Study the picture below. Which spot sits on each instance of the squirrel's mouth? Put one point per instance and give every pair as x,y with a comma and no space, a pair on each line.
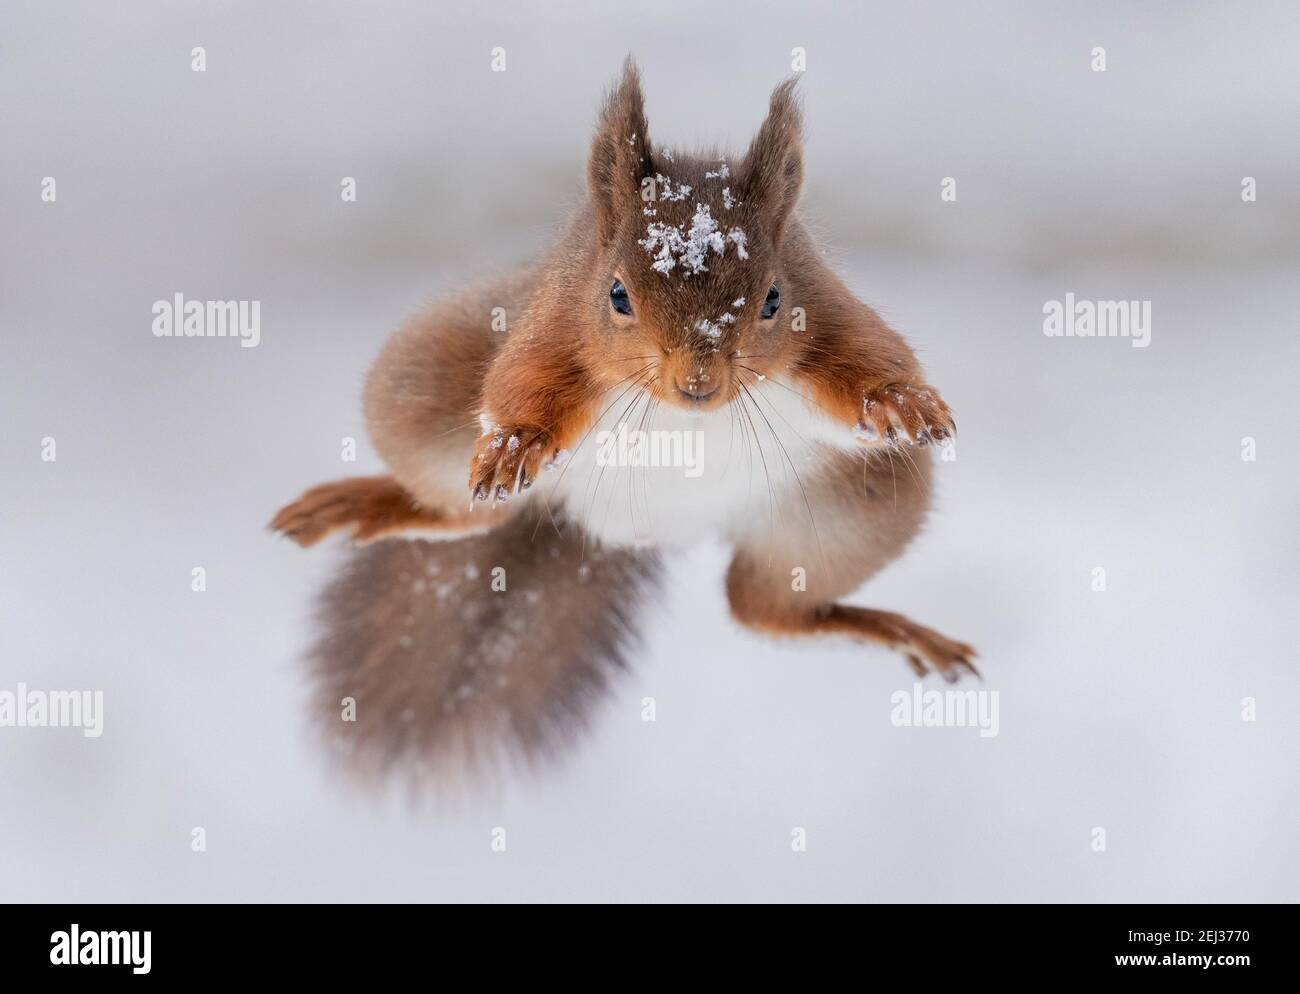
697,395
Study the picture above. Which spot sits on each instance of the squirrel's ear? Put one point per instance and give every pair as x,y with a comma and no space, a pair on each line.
620,153
773,168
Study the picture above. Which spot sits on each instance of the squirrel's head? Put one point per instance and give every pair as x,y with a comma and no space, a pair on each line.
689,278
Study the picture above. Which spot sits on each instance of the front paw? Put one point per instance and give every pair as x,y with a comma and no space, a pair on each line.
507,461
904,412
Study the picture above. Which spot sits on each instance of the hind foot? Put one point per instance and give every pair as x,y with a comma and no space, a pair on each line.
371,508
925,650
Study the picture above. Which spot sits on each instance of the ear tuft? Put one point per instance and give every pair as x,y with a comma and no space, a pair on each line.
620,153
773,169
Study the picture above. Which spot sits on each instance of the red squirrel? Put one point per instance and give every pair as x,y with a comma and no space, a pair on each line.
684,296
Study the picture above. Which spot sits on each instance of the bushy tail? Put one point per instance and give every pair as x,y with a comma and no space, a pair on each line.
459,654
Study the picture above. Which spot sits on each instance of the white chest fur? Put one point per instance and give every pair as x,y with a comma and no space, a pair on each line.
653,474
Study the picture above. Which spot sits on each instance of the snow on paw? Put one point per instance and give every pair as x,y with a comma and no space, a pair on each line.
507,461
898,413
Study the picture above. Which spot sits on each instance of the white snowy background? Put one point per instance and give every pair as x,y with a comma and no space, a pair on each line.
1119,710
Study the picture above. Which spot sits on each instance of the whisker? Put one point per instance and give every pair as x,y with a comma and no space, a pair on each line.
764,378
647,424
775,410
459,427
595,493
610,503
636,375
911,463
812,520
767,476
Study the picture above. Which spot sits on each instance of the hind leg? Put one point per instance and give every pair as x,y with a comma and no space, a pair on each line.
788,580
375,507
421,406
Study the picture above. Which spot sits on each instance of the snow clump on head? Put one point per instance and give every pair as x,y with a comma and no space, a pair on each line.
670,245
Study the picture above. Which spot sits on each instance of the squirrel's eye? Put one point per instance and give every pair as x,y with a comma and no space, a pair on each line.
771,302
618,298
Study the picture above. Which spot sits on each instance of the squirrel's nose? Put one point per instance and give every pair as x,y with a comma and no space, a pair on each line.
697,389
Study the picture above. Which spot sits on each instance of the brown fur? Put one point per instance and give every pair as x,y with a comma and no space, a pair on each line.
371,507
570,346
448,674
565,349
866,514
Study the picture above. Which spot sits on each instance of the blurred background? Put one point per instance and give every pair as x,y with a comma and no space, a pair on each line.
1120,710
